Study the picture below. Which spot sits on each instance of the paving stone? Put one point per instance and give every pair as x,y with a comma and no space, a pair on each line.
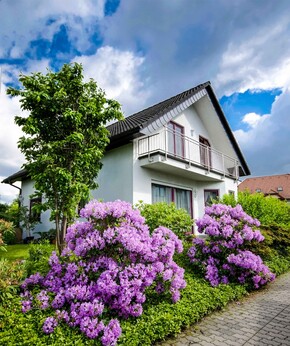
261,319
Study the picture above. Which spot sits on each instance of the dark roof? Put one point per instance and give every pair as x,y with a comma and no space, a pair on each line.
15,177
268,185
124,131
139,120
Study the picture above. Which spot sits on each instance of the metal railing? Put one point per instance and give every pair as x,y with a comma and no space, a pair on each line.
177,146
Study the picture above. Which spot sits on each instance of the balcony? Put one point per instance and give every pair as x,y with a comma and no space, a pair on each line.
180,152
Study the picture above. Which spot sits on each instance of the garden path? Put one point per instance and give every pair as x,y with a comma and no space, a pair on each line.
262,319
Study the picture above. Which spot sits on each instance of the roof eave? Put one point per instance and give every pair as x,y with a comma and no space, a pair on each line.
244,170
18,176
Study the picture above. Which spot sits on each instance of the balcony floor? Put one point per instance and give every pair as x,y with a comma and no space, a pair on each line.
176,166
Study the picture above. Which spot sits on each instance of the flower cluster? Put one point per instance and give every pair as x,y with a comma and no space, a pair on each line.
108,263
222,254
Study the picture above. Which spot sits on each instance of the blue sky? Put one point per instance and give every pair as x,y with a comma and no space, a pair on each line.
141,52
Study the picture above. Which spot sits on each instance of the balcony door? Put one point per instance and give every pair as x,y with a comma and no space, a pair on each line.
175,139
205,152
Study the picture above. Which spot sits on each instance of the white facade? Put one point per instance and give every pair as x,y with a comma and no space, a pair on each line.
131,170
26,193
127,176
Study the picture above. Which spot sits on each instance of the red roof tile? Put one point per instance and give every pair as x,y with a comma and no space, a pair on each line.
269,185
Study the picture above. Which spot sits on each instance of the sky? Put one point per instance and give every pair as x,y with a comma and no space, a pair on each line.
143,51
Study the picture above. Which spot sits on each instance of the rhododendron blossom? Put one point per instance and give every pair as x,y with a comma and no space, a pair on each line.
108,262
223,254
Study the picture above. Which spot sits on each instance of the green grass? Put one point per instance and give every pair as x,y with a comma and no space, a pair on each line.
15,252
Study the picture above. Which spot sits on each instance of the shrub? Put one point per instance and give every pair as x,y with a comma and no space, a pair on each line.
6,230
109,262
167,215
11,274
37,261
224,256
50,235
268,210
276,243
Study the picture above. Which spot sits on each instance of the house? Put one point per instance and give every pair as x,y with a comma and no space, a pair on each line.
277,186
181,150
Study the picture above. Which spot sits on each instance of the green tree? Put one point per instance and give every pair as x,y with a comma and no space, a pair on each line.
3,211
65,138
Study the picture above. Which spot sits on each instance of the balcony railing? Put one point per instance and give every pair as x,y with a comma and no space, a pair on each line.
176,146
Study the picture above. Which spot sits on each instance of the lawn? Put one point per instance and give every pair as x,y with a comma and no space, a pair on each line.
14,252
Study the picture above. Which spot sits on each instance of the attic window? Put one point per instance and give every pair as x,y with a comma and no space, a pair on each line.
280,188
258,190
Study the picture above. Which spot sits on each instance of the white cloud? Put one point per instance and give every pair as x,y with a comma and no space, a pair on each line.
25,22
117,72
259,62
254,119
11,158
266,144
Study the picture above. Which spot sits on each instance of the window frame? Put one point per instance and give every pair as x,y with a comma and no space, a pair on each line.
205,152
173,190
33,215
206,204
172,132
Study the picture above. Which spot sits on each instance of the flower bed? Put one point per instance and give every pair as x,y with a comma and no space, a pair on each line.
103,272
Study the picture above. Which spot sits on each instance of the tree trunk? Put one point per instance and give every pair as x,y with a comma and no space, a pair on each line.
58,239
62,233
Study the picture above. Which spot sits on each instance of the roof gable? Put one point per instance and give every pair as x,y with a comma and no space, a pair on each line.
142,119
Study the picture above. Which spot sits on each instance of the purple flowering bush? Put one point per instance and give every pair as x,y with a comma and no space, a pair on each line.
223,255
104,271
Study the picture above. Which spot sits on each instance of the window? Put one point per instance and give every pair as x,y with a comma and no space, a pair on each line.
280,188
210,196
175,139
205,152
33,214
258,190
182,198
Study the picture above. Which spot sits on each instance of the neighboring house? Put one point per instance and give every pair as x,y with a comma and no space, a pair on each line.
273,185
180,150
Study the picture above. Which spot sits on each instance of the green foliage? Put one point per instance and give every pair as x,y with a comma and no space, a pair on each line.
167,215
66,137
37,260
18,329
279,264
13,212
6,232
160,319
49,235
3,211
11,274
26,221
157,322
276,243
274,216
268,210
9,238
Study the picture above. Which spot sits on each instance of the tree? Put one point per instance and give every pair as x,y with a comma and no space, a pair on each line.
65,138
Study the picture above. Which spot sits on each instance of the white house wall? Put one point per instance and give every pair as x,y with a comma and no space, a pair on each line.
216,132
190,119
116,176
27,191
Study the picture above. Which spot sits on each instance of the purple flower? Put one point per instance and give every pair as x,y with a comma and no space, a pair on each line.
49,325
108,263
111,333
229,229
